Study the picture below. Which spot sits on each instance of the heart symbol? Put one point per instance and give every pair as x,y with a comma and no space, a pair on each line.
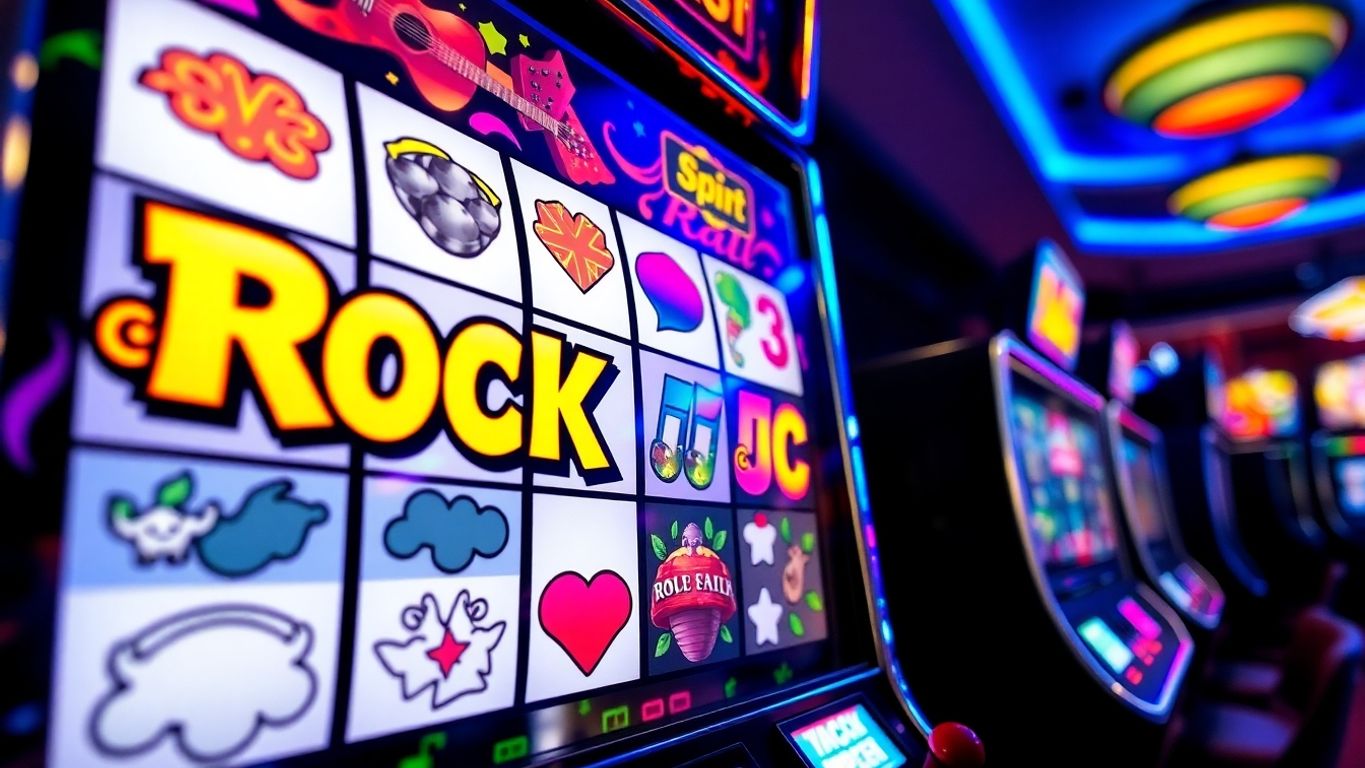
578,245
585,615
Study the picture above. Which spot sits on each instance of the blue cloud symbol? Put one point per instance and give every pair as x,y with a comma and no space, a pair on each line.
454,531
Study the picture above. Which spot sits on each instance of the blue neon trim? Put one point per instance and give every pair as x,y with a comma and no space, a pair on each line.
1005,76
829,288
798,130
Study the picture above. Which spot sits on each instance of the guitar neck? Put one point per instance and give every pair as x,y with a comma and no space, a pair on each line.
480,77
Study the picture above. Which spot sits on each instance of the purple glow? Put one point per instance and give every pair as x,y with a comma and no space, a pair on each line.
31,394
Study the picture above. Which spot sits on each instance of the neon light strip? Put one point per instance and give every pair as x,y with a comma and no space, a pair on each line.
798,129
843,396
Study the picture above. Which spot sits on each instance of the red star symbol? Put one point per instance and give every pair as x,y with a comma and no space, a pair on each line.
448,653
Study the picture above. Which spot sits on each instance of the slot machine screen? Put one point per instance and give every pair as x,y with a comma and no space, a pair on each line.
1339,391
405,414
1064,476
1056,306
1140,462
1261,404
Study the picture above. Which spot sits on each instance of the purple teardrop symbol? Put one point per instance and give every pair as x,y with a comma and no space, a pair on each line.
674,296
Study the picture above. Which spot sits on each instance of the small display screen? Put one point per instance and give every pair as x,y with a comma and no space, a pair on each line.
1064,476
1350,480
1339,392
1140,465
1104,642
848,736
1056,306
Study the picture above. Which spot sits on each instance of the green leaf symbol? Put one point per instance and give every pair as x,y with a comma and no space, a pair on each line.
175,491
709,529
725,634
785,528
121,507
798,627
665,642
660,551
813,600
719,543
808,542
673,532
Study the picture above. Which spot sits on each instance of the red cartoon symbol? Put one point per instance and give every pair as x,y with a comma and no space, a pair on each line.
585,615
577,244
260,118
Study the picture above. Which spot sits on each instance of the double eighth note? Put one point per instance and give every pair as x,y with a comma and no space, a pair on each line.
687,409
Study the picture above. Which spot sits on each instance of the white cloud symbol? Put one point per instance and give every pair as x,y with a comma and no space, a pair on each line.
210,678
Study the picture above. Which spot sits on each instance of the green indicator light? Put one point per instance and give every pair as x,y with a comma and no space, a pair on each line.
514,748
584,707
424,759
731,687
615,719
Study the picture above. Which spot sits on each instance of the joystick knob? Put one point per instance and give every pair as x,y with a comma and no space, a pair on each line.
954,745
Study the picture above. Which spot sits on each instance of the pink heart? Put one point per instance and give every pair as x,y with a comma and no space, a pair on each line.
585,615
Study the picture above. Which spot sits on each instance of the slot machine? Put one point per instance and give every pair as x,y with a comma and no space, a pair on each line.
419,384
1189,408
1272,482
1338,452
1137,453
1003,498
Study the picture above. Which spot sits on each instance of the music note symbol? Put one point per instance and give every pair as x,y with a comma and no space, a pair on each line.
693,410
699,463
675,406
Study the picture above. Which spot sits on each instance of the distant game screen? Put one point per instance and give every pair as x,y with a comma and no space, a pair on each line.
1056,306
1339,392
1139,462
1065,482
1349,475
1261,404
474,398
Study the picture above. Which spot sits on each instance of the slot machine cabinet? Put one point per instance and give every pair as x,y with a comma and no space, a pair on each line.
407,387
1338,452
1137,451
1187,408
1043,598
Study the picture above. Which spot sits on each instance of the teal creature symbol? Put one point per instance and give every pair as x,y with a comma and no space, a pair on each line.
271,525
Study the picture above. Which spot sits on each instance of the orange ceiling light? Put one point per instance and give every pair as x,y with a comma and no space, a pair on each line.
1256,193
1223,73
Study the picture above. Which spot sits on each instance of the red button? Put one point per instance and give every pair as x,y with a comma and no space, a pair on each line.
954,745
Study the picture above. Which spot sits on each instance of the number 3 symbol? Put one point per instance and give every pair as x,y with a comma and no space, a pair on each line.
775,346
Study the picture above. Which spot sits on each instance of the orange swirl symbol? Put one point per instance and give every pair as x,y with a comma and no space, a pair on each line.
257,117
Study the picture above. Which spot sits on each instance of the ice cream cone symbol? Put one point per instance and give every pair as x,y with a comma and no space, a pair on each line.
693,595
731,294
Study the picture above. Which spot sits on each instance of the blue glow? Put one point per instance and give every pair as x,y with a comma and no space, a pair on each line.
1164,359
851,425
798,129
792,277
1144,378
1055,162
24,719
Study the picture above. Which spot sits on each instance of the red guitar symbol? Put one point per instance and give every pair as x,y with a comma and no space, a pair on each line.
431,44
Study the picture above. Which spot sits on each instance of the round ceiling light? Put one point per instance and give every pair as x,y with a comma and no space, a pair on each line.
1220,74
1256,193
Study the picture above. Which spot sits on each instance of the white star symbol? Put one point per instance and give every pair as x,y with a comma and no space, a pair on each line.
760,539
764,614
